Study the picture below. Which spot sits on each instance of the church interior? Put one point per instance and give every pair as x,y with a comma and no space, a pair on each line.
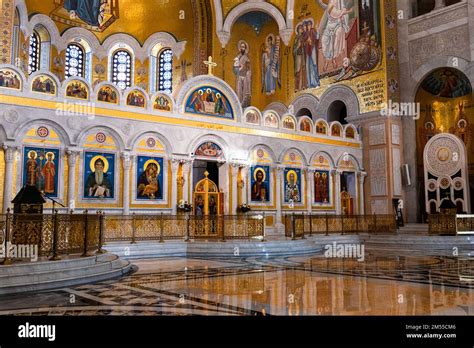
237,158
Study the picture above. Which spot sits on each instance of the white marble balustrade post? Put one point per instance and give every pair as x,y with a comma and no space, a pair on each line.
235,188
337,187
309,172
175,163
71,178
187,190
10,154
279,184
127,164
362,176
244,184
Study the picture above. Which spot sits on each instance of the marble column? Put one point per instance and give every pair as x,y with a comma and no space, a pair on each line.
71,179
187,190
175,163
127,164
337,188
235,188
10,153
309,188
279,183
243,185
362,176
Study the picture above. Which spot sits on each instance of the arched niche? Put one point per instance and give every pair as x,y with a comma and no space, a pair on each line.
102,147
446,107
238,11
337,111
305,124
150,170
45,83
41,159
305,105
332,102
184,99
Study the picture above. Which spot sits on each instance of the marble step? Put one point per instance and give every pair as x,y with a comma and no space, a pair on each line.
20,278
142,250
419,240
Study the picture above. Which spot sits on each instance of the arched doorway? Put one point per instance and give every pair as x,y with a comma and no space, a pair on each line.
446,107
210,179
348,184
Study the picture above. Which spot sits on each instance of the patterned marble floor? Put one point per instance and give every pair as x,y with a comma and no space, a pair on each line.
312,285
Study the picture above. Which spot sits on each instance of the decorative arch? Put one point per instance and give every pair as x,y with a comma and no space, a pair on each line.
98,88
88,42
117,136
280,108
134,142
318,124
289,122
253,153
218,15
333,126
305,101
166,40
249,118
20,74
348,128
169,98
155,46
127,92
345,157
316,159
63,89
267,120
190,86
341,93
48,24
57,83
303,123
435,63
21,131
48,141
123,41
210,138
286,157
246,7
72,34
20,5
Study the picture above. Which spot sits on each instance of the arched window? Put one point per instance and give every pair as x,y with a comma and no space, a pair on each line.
161,69
34,53
165,71
122,69
75,61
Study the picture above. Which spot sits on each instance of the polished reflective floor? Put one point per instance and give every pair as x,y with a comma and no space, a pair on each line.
312,285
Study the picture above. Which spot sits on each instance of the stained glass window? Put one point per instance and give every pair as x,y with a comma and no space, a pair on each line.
74,61
34,53
122,69
165,72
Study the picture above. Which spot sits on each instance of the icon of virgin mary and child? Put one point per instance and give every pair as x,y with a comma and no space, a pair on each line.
148,182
